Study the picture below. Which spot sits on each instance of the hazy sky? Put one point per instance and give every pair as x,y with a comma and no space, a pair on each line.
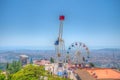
33,24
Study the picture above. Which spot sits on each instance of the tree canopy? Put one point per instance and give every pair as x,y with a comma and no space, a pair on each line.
33,72
51,60
2,76
14,71
13,67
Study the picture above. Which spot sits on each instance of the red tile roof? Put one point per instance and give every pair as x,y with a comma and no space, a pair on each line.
104,73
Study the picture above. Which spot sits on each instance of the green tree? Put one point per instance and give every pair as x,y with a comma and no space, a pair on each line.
29,72
2,76
33,72
13,67
51,60
31,61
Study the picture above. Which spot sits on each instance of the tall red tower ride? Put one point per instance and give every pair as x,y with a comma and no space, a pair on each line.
59,44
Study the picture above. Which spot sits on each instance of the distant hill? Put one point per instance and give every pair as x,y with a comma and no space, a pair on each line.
102,57
109,49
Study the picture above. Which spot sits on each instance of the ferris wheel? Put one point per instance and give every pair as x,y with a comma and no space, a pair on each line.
77,53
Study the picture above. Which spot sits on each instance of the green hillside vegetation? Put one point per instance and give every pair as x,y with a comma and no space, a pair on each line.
2,76
32,72
13,67
29,72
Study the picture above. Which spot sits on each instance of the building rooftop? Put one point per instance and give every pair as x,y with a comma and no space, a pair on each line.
24,56
41,62
98,74
104,73
84,75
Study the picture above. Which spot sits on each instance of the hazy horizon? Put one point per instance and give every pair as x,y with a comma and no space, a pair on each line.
47,48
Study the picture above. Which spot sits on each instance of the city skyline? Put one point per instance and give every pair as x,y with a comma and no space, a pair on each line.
35,24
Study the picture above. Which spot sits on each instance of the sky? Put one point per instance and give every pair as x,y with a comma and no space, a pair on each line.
34,24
